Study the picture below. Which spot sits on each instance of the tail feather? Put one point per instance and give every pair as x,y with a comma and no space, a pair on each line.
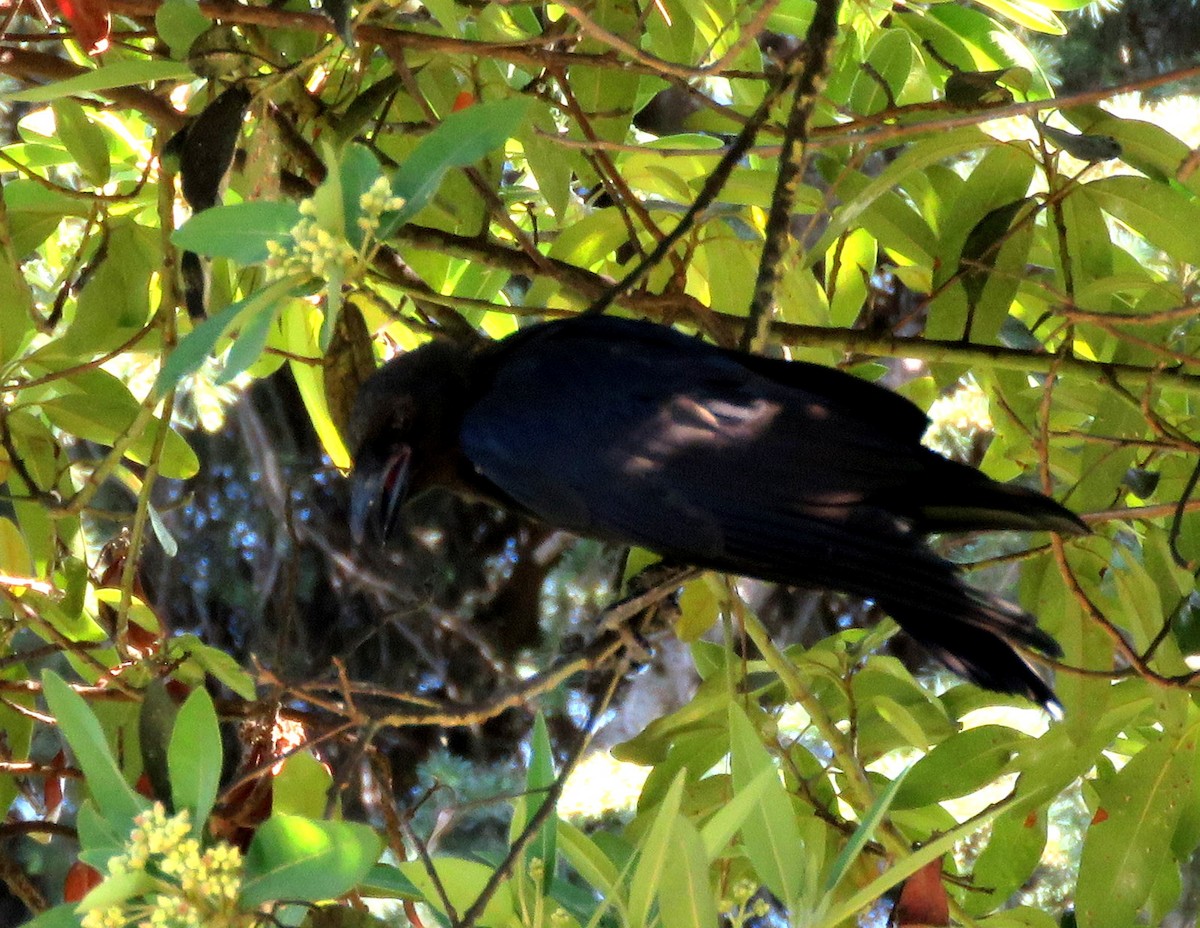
977,642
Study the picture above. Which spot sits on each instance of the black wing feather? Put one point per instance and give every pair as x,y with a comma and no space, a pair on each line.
784,471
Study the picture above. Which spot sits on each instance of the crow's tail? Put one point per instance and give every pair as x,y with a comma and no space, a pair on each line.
976,641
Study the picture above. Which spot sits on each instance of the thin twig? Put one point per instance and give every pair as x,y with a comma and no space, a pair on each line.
810,81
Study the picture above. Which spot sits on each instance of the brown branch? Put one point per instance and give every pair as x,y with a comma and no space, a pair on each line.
888,125
20,883
810,81
668,307
531,53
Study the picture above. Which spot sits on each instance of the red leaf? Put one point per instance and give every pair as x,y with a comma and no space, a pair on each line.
90,20
923,899
1100,816
52,786
81,879
144,786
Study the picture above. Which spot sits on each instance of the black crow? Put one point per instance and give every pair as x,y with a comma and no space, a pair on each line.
635,433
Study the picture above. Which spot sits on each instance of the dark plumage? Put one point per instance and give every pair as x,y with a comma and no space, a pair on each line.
635,433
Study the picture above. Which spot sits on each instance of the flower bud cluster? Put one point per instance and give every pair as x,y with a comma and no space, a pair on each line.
191,886
315,251
744,903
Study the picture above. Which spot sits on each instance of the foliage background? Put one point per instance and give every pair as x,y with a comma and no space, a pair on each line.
938,238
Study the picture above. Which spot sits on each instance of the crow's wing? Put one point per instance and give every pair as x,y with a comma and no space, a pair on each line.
783,471
639,434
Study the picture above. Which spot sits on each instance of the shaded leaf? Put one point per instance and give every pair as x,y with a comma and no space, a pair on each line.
156,718
209,146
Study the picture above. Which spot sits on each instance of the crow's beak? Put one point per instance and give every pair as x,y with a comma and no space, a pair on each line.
377,491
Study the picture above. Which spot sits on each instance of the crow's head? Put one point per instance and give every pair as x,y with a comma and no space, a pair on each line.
404,432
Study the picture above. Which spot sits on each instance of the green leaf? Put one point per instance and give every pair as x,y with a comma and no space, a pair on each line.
61,916
704,714
891,60
1124,852
120,74
589,861
249,342
771,834
460,140
863,833
118,888
179,23
83,139
386,881
162,534
107,412
115,301
959,765
196,347
538,779
358,169
719,830
607,95
1005,865
549,163
1163,215
16,727
114,797
993,274
301,786
920,156
297,337
902,721
848,268
462,881
699,606
156,719
16,307
218,663
685,897
194,757
1023,917
1025,13
654,850
927,853
307,860
239,231
14,553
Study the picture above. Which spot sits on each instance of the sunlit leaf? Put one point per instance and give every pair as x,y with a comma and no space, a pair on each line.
299,858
